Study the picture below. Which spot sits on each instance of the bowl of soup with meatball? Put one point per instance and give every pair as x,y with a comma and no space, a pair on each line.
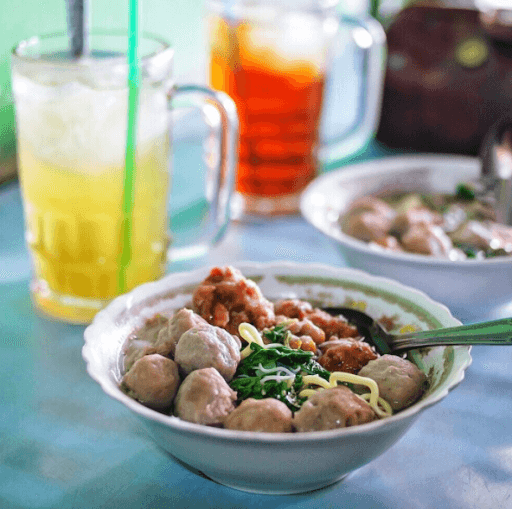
415,219
239,373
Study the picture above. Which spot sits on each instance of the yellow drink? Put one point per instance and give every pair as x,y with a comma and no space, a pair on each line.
71,158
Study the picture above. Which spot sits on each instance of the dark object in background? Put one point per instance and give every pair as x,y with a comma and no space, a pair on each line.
448,79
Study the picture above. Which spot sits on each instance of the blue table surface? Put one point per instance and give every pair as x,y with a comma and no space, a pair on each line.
65,444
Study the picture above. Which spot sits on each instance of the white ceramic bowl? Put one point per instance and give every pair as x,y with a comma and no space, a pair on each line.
267,462
468,287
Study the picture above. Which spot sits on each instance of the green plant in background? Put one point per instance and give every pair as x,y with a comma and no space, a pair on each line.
7,125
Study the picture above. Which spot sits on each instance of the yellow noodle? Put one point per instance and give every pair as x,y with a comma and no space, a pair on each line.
317,380
386,406
306,393
339,376
386,410
246,352
373,398
251,335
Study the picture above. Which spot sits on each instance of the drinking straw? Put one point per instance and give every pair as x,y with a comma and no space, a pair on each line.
77,21
131,137
375,8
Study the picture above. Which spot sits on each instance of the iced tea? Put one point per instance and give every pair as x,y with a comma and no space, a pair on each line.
273,66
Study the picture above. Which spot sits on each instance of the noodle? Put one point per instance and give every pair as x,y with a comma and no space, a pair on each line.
251,335
372,398
317,380
380,406
386,410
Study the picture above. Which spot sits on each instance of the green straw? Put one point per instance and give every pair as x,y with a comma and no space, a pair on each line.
131,142
375,9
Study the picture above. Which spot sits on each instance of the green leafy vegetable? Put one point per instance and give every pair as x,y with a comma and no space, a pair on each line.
492,253
472,252
469,251
465,192
277,334
249,381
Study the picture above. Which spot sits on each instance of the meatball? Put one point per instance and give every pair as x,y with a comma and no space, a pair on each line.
153,380
415,216
169,335
372,204
389,242
142,341
204,397
428,240
368,218
332,408
400,382
347,356
136,349
208,347
502,235
269,415
366,226
227,299
474,233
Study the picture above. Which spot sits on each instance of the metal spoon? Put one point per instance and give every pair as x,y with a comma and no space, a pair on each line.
78,26
496,332
496,179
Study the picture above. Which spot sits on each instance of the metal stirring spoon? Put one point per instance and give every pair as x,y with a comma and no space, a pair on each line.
496,158
496,332
78,26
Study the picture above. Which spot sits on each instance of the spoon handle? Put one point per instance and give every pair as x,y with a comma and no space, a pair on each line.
496,332
77,19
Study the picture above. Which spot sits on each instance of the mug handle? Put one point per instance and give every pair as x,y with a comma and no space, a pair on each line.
218,109
369,38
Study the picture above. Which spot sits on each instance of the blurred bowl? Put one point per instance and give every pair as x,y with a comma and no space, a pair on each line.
268,462
470,288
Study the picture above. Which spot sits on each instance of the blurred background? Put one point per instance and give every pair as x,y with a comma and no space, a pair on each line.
178,21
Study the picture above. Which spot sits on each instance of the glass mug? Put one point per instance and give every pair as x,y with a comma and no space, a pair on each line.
71,122
273,57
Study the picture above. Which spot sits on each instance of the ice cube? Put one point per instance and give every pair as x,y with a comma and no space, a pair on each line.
74,125
291,38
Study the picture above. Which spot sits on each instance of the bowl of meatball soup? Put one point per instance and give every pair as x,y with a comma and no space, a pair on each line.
417,219
239,372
